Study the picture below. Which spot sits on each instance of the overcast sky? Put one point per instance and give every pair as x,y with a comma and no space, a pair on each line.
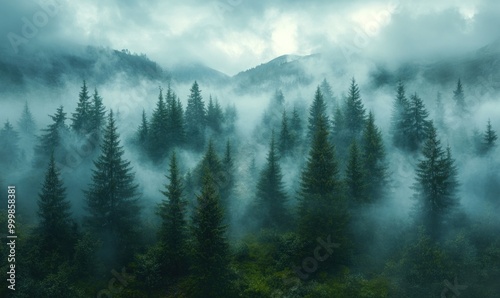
233,35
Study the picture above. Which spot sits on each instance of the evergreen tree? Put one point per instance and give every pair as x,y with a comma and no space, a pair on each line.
158,130
316,111
400,123
195,119
97,114
55,229
211,162
354,114
296,128
173,233
489,138
271,195
436,184
230,117
211,272
215,116
459,97
327,92
142,131
419,124
26,123
373,154
285,143
52,140
9,146
175,119
322,210
112,197
229,176
355,176
82,115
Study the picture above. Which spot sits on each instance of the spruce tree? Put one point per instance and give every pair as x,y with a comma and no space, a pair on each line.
327,92
374,163
26,122
142,131
228,169
322,209
158,144
355,177
211,162
436,185
230,117
271,195
354,114
9,147
82,115
55,229
489,138
51,142
173,234
112,197
419,123
195,119
316,111
175,114
296,127
211,271
97,114
215,116
459,97
285,143
400,118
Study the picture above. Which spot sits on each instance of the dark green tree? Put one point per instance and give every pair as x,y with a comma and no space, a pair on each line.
327,92
459,97
374,163
316,111
82,115
211,271
195,119
355,177
9,147
418,123
142,131
285,143
271,195
26,122
51,142
97,114
354,113
489,138
174,230
215,116
158,144
400,123
176,134
436,185
226,190
230,117
296,127
112,198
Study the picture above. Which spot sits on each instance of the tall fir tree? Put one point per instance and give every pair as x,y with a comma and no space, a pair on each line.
226,190
211,262
459,97
285,142
400,123
195,119
158,144
322,207
374,163
489,138
174,230
82,116
142,131
296,127
355,177
52,141
354,113
316,112
212,163
26,122
175,114
9,147
271,195
230,117
97,112
328,95
215,116
112,198
419,123
436,185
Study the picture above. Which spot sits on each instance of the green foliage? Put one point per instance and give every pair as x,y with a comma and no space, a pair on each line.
82,116
195,119
316,112
52,141
354,113
9,147
26,122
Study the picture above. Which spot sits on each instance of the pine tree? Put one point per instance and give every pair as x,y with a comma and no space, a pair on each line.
26,122
459,97
173,233
229,177
55,229
52,140
373,154
296,128
212,163
355,177
436,185
82,115
327,92
195,119
211,272
316,111
354,114
271,195
400,124
322,210
230,117
142,131
215,116
9,147
112,197
97,114
419,123
158,144
285,143
175,114
489,138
